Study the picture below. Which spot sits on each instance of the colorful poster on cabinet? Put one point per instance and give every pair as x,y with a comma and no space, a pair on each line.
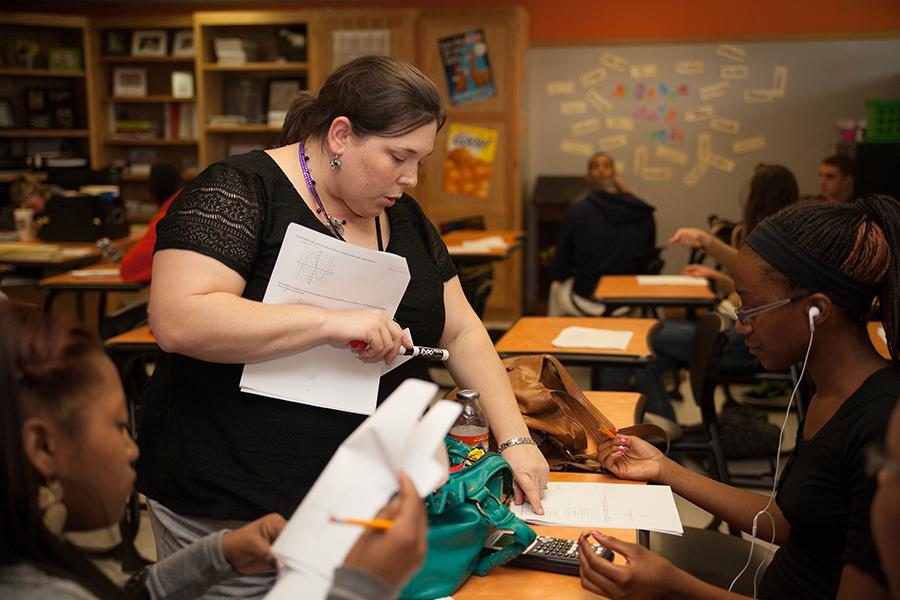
468,69
470,159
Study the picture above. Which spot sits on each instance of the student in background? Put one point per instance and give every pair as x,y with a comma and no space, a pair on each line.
66,454
605,233
884,464
165,183
804,301
27,192
836,178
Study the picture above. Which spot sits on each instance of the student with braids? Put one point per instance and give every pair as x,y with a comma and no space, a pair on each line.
807,278
66,454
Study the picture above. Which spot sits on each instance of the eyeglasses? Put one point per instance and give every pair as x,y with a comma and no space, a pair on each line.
877,460
744,315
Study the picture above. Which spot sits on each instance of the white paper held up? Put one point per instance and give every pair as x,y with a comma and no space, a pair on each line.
590,337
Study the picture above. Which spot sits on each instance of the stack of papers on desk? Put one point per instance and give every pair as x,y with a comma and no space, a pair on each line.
590,337
485,244
27,252
89,273
606,505
671,280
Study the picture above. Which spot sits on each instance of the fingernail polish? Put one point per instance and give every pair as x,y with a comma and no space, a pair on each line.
622,440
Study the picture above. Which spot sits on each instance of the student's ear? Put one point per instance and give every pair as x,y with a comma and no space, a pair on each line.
338,136
40,441
825,306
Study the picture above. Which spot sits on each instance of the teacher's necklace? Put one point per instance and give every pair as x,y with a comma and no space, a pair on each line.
336,225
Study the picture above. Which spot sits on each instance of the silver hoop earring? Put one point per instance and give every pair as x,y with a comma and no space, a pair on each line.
336,163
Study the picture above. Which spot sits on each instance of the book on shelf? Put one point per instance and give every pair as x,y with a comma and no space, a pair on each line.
180,121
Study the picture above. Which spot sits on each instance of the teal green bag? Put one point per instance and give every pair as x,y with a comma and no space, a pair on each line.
461,514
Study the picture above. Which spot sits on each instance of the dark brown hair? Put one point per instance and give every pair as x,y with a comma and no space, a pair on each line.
45,368
844,164
380,95
772,187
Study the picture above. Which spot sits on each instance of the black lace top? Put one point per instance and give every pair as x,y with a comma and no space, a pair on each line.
209,450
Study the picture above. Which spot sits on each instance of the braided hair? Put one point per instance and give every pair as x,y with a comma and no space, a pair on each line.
860,239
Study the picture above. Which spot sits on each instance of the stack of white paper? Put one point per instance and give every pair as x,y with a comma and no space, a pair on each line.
358,481
485,244
591,337
671,280
606,505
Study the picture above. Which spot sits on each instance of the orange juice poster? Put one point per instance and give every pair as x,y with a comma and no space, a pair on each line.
470,160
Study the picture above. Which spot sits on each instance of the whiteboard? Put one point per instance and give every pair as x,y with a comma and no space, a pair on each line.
782,98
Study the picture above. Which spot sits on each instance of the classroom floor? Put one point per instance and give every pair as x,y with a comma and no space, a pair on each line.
686,411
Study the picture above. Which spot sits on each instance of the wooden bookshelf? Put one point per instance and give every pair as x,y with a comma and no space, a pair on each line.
45,133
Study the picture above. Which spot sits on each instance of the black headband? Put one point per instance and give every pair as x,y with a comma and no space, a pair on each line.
798,265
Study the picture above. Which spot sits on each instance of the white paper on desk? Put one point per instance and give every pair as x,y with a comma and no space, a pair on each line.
485,244
88,273
358,480
671,280
609,505
318,270
590,337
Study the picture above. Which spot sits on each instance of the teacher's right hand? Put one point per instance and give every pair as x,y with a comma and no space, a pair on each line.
382,335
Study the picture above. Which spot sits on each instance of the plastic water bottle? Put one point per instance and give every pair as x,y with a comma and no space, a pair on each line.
471,427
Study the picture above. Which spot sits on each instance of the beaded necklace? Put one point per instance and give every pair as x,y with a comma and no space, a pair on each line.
336,225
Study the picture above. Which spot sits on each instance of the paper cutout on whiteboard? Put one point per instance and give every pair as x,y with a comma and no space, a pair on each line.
723,125
721,163
672,155
693,176
656,174
713,90
734,72
572,107
586,126
643,71
577,148
759,95
751,144
621,123
779,81
611,61
700,113
597,100
640,159
704,147
611,142
731,52
593,77
689,67
559,88
620,166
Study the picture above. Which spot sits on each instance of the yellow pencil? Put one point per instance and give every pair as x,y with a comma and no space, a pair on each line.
382,524
610,434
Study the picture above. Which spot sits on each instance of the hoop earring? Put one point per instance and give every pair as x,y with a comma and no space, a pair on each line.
50,503
336,163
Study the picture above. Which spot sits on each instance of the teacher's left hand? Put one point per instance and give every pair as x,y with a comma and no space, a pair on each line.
531,473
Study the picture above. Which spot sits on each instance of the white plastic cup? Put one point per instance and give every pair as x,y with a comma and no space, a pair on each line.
24,218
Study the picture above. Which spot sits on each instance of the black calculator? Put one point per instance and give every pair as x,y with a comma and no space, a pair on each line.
545,553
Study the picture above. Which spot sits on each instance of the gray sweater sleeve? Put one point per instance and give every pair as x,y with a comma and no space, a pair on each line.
353,584
191,571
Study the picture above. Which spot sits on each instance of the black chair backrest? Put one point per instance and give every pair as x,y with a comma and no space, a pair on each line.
649,262
74,178
709,341
474,222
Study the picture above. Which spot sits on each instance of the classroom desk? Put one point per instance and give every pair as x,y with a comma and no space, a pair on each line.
55,257
460,253
624,290
878,341
80,281
524,584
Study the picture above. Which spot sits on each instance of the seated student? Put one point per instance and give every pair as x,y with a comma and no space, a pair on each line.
604,233
803,301
66,454
27,192
165,184
884,463
836,178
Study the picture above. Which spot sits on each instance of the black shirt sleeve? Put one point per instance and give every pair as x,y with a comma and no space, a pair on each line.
217,215
436,247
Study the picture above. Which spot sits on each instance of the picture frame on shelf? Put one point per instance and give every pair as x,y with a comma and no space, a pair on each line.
116,42
7,118
37,107
64,59
281,95
62,107
27,53
129,82
183,43
182,84
148,42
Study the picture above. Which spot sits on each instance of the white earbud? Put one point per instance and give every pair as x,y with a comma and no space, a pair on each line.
813,313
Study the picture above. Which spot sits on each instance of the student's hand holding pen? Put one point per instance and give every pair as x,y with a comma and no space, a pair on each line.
382,336
629,457
394,555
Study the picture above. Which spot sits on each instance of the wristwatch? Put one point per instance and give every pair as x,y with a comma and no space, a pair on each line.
516,441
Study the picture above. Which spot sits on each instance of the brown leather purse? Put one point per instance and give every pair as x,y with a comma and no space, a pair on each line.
564,423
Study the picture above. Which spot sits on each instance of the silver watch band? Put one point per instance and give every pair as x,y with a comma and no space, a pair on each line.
516,441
